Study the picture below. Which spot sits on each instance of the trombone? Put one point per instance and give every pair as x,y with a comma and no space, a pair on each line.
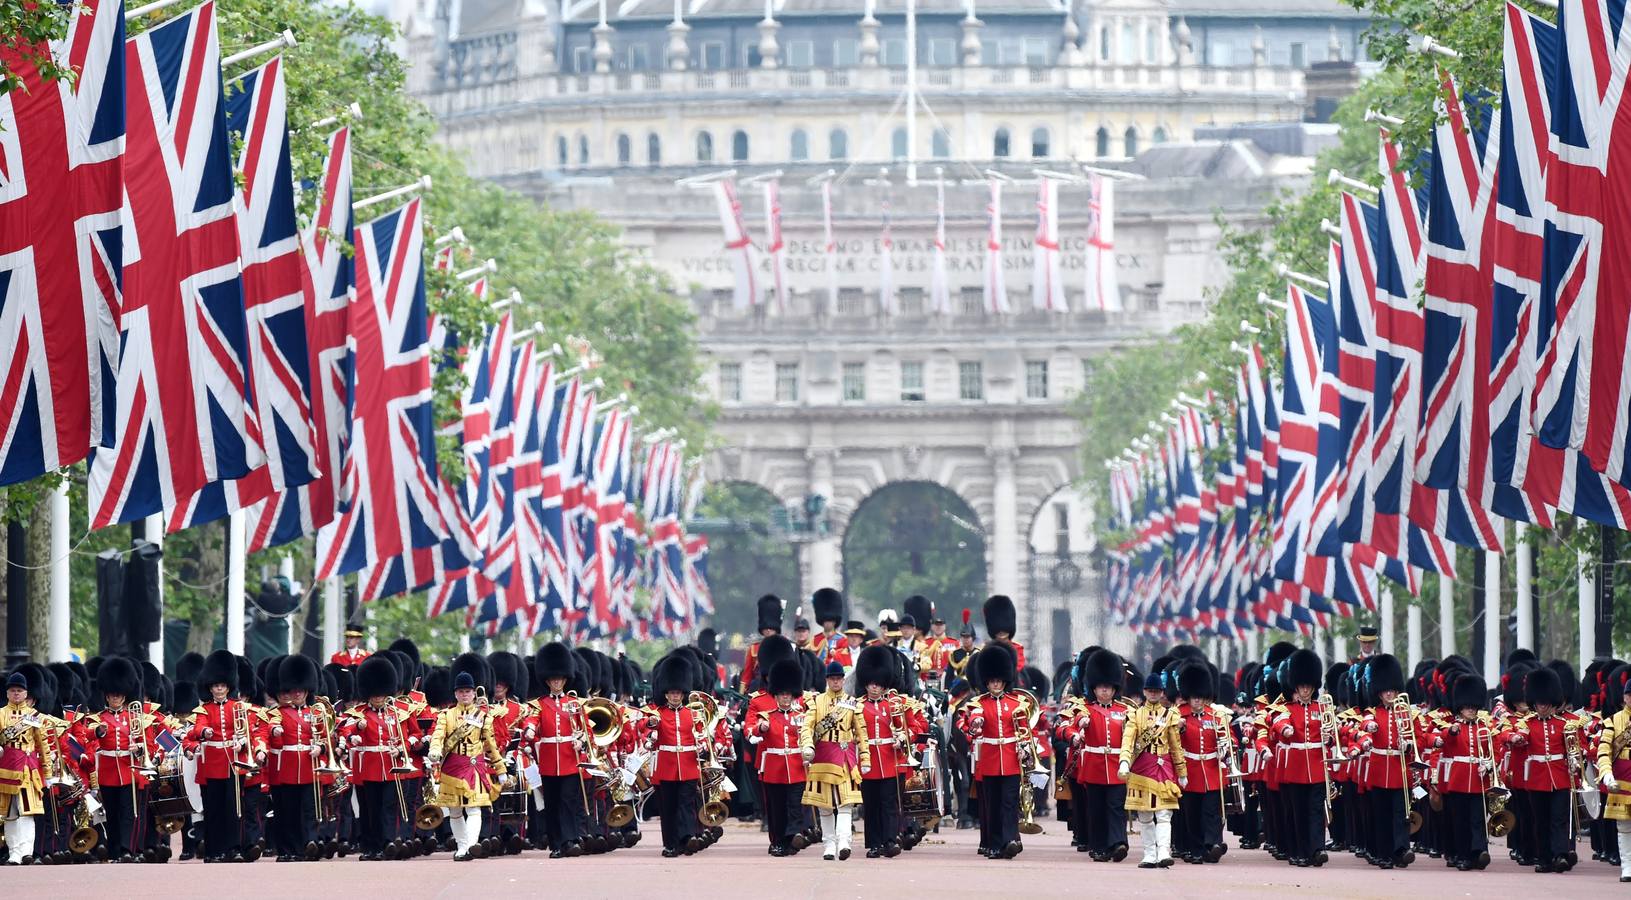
1404,729
1498,820
400,764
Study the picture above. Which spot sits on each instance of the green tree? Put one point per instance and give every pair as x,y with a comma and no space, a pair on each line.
746,559
914,538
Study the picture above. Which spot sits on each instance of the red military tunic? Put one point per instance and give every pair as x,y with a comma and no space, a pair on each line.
222,745
1466,746
115,754
673,735
1094,737
349,658
1544,764
775,739
1199,738
750,667
507,715
552,733
373,736
989,723
1301,754
1385,764
880,738
294,748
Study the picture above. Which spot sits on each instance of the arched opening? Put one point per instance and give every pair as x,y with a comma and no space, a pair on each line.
583,150
739,147
747,557
838,144
914,537
654,150
1129,142
625,150
1159,136
942,144
1039,143
999,144
897,144
705,147
1101,142
799,151
562,155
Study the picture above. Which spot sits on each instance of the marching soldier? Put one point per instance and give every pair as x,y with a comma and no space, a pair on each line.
836,755
1301,757
1092,729
771,610
465,757
1613,760
1001,624
1203,739
1464,773
553,733
880,788
376,733
231,739
1389,734
1544,736
774,735
510,708
1153,767
675,735
991,722
353,654
119,736
957,659
294,741
25,757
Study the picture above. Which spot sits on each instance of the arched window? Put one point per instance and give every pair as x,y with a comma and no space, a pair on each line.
1129,44
1039,143
1101,142
999,144
654,149
625,150
800,149
1104,44
1159,136
739,146
1130,142
583,150
838,144
562,155
897,144
942,144
705,147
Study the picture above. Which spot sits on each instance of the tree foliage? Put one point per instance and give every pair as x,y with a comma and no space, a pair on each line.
913,538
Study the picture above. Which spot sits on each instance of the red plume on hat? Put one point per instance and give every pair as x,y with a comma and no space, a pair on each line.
967,614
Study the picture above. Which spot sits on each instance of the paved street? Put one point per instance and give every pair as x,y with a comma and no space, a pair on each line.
737,867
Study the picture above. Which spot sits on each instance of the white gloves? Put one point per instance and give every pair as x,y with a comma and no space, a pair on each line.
866,768
1287,731
809,755
1123,770
1370,727
208,733
1183,781
277,731
1610,783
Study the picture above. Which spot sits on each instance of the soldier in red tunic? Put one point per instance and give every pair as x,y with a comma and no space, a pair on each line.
1386,740
1002,624
230,737
554,733
1091,728
1204,725
1465,769
829,614
1543,735
376,733
353,654
294,740
771,610
880,790
676,739
990,721
1302,758
774,735
118,736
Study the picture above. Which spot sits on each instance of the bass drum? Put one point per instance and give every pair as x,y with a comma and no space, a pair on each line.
168,805
923,798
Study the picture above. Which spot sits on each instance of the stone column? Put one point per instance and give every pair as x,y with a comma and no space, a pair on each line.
823,557
1004,517
869,41
603,48
678,51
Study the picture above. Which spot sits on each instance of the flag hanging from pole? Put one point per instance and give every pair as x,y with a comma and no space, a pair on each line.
939,290
1103,292
1047,290
775,246
996,286
738,246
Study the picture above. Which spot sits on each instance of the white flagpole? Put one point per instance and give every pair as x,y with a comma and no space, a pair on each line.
235,582
331,617
155,534
996,285
738,246
831,246
939,291
61,607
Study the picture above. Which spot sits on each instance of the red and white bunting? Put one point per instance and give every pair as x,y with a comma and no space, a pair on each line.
775,246
996,286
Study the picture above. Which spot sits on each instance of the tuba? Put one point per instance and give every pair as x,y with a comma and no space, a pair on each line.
705,712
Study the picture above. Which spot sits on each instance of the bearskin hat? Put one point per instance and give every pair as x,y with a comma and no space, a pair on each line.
1036,681
787,677
1468,690
476,665
1187,652
582,677
1385,674
1614,684
771,610
1103,667
337,682
220,667
1513,681
994,662
152,682
1566,679
1303,667
813,677
920,609
587,668
605,678
708,641
874,666
1277,653
439,687
509,670
184,697
673,672
297,673
1246,680
1132,682
1226,687
189,665
1000,616
407,648
42,686
1542,686
1521,654
829,606
376,677
772,650
1335,678
554,660
1194,681
69,690
119,675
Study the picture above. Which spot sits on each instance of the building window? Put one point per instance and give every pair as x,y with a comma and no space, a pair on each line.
911,301
562,155
1299,56
1036,51
787,382
751,58
971,300
1159,136
739,146
800,54
1101,142
845,53
1104,44
999,144
838,144
851,302
942,144
854,381
713,54
1130,142
1087,374
1036,379
800,149
942,52
894,52
583,150
636,57
1149,46
580,61
1129,44
911,382
970,381
1039,143
730,382
654,149
897,144
625,150
705,147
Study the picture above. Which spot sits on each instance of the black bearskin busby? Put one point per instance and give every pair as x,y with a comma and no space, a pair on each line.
298,673
1277,653
554,661
1384,674
994,662
829,606
1542,687
920,609
1468,690
184,698
1036,681
771,610
476,665
509,670
708,641
875,666
1303,667
1000,616
772,650
1195,681
220,667
376,677
439,688
408,648
672,673
189,666
787,677
119,675
1569,683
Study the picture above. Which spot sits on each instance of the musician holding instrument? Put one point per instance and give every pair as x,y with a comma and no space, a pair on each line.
295,740
1304,738
118,736
25,756
1092,731
881,714
673,734
230,739
774,735
1544,735
465,758
1613,761
375,734
552,733
1467,774
836,757
993,721
1391,738
1207,745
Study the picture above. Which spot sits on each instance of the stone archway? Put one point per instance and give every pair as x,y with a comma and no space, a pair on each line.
914,537
746,558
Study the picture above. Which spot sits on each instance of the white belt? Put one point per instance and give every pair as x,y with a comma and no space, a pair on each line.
1550,758
113,752
222,745
877,742
1461,759
670,748
780,751
373,749
296,748
997,740
1105,751
1203,756
558,739
1304,746
1381,752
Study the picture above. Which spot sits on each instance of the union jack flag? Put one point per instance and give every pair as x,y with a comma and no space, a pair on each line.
275,300
562,431
611,447
329,288
61,188
184,420
390,468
